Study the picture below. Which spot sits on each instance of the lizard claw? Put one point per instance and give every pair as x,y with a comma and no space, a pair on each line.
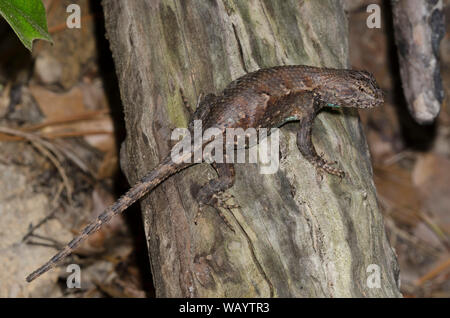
221,198
327,167
224,196
218,200
224,219
333,171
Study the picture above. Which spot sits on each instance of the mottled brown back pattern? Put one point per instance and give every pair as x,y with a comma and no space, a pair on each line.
266,98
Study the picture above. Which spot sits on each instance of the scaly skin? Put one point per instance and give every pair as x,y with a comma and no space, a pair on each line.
263,99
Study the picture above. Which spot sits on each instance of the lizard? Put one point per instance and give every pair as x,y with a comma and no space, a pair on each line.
266,98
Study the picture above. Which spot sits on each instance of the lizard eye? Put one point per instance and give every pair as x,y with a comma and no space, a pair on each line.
364,90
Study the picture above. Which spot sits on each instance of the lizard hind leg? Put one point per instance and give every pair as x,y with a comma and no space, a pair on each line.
306,148
213,192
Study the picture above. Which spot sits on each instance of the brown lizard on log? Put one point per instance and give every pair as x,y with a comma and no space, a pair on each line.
263,99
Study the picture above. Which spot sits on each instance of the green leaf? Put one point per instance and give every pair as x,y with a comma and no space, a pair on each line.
27,18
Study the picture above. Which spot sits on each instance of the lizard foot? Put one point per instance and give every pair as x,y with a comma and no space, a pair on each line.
217,200
327,166
221,200
331,170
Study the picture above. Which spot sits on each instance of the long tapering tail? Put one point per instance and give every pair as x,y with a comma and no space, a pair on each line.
165,169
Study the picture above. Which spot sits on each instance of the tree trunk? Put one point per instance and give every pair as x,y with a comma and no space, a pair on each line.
296,234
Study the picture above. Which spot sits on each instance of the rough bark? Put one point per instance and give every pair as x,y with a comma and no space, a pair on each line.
297,235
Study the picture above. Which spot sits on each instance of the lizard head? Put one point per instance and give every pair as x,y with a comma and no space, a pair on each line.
352,89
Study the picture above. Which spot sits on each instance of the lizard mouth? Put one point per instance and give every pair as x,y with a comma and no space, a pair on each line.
373,102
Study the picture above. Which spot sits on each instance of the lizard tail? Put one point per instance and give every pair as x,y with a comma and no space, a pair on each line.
165,169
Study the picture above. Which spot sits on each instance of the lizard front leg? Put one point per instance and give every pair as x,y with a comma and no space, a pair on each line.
306,147
213,192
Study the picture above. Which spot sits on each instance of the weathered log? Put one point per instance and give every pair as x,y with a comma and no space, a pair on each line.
296,234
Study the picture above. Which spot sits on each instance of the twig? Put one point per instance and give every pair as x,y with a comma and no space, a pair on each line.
433,272
56,244
396,158
39,224
69,119
54,204
59,135
48,150
58,166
